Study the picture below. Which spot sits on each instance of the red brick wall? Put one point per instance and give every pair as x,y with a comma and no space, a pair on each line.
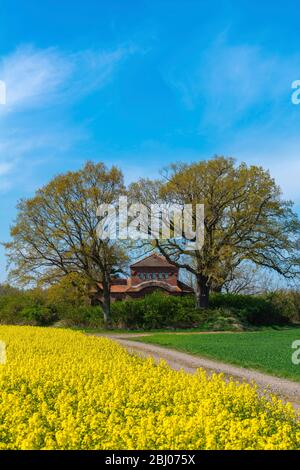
172,275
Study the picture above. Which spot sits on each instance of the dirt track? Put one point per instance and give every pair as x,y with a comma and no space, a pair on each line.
286,389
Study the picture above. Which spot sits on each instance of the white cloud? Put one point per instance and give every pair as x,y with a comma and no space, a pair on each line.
242,95
37,81
227,80
38,77
32,76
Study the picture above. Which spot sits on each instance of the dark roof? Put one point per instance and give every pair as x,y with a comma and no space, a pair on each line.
153,260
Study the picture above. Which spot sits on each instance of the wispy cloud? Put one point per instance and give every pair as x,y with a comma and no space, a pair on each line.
41,84
241,94
39,77
227,80
32,77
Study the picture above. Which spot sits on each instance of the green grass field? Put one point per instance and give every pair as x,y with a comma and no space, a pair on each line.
269,350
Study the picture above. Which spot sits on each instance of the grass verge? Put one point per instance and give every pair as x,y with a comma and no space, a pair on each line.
268,350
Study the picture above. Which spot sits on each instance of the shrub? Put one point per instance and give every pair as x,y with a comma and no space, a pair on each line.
221,319
71,290
128,314
26,308
6,289
155,310
11,308
38,315
83,316
256,310
287,302
227,311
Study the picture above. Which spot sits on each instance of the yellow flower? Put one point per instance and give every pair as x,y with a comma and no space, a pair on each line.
64,390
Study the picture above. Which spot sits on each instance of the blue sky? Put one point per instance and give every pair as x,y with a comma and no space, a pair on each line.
142,83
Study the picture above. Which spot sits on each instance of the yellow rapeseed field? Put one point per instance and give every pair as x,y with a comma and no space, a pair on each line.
63,390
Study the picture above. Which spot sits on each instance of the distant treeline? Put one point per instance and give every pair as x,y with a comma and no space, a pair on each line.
70,307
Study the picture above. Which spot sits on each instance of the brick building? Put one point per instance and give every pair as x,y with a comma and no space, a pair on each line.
148,275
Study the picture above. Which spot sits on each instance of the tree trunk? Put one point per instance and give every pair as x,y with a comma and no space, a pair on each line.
202,292
106,301
102,297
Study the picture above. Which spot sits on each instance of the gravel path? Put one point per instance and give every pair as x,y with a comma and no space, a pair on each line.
287,389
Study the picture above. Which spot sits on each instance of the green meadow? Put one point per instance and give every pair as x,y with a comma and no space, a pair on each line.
269,351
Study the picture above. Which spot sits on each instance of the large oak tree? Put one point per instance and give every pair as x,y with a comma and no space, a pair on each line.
55,233
246,218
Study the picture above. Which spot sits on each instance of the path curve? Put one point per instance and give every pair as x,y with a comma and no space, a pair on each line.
287,389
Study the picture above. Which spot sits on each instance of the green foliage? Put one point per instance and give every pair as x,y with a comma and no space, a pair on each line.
67,305
287,302
10,309
268,350
84,316
255,310
55,231
26,308
46,307
69,293
155,311
6,289
37,315
222,319
227,311
245,220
